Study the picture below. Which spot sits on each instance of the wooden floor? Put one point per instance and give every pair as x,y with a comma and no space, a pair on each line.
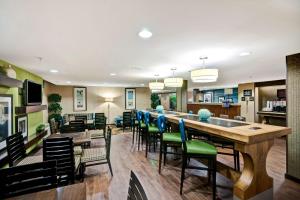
125,157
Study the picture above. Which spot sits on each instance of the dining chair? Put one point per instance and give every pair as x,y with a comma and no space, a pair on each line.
81,118
227,144
61,150
100,126
126,120
134,124
29,178
167,139
200,150
15,148
97,156
152,133
73,127
135,190
141,128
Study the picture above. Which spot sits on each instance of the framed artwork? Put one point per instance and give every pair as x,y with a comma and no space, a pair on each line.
79,99
22,125
130,98
221,99
247,93
208,97
6,118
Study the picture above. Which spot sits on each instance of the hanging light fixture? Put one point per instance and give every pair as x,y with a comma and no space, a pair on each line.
156,85
174,81
204,75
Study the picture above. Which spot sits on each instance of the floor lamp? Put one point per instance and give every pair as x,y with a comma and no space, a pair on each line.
108,100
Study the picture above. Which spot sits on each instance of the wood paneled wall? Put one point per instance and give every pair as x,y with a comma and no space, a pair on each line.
217,109
293,115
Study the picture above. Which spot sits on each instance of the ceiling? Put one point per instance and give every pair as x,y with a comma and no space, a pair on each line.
87,40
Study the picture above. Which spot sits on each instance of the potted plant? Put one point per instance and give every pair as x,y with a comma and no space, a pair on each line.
40,128
54,107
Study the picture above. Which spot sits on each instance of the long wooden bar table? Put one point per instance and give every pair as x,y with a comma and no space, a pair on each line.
253,140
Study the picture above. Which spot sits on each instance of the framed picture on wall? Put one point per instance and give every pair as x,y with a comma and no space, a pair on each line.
22,125
221,99
79,99
247,93
208,97
130,99
6,118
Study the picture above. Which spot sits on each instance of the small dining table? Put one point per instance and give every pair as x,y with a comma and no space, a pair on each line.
79,138
74,192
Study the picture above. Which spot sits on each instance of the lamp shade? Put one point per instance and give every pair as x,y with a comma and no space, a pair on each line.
156,85
173,82
204,75
109,99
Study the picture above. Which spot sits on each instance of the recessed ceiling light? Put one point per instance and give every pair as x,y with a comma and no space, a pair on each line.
69,82
113,74
53,70
245,53
145,34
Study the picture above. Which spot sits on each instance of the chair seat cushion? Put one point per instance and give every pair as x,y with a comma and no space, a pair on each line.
96,134
153,129
171,137
143,125
77,150
30,160
93,154
200,147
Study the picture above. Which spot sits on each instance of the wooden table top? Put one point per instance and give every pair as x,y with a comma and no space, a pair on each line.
242,134
74,192
78,138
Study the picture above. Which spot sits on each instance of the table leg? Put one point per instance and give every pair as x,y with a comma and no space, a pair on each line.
254,182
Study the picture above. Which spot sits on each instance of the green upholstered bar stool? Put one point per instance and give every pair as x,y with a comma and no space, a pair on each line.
141,128
197,149
152,133
167,139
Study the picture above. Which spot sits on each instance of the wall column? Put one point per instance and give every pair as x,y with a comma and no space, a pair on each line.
181,95
293,116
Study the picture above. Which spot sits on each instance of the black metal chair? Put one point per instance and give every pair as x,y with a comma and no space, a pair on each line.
73,127
81,118
61,151
227,144
25,179
100,126
97,156
200,150
135,190
127,120
15,148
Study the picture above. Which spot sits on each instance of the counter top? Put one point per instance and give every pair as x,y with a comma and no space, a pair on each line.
213,104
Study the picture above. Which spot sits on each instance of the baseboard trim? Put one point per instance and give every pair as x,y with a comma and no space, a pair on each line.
293,178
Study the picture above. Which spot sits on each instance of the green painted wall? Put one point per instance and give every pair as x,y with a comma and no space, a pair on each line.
34,119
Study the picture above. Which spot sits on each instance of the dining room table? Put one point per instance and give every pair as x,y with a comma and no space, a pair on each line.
252,140
79,138
70,192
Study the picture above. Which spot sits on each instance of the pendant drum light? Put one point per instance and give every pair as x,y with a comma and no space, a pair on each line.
156,85
174,81
204,75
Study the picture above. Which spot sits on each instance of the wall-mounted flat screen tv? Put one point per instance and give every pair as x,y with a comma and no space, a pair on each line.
32,93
